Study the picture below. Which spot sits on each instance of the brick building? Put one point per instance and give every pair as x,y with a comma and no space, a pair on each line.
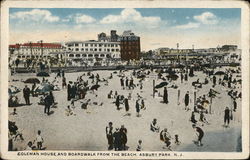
130,46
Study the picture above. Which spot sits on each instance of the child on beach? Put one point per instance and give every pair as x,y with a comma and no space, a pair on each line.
39,140
139,146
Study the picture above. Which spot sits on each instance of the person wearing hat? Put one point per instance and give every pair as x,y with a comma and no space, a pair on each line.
124,138
47,103
117,139
109,134
199,133
26,95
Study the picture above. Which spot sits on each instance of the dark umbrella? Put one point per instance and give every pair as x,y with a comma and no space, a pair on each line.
44,88
219,73
95,87
42,74
173,76
162,84
32,80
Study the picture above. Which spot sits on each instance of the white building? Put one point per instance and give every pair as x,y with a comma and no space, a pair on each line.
92,49
34,50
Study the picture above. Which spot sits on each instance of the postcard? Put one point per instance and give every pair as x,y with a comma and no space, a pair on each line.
124,79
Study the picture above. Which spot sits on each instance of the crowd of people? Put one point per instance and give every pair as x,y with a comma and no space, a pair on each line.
129,94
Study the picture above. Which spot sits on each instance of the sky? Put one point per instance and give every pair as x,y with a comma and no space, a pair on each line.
157,27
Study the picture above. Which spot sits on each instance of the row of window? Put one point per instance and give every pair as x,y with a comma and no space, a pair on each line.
129,47
28,56
94,49
51,50
88,55
92,45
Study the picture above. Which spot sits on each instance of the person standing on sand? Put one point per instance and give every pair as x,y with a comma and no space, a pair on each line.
26,95
126,104
109,134
165,95
137,107
186,100
117,102
226,117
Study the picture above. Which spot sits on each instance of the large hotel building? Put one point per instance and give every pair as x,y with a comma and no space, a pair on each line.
115,47
124,47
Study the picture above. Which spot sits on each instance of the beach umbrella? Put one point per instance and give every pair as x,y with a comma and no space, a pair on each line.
162,84
95,87
173,76
32,80
42,74
219,73
44,88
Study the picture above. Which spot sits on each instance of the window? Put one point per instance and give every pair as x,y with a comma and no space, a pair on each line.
105,49
86,49
96,55
86,45
91,45
117,50
71,55
112,45
78,55
100,49
91,49
102,55
77,49
90,55
108,45
84,55
95,49
82,49
95,45
100,45
108,50
105,45
76,44
116,45
112,50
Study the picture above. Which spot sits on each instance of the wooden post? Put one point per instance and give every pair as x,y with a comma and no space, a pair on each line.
153,88
178,97
194,98
210,106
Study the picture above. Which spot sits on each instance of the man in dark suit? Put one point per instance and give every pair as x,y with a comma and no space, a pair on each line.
26,95
47,103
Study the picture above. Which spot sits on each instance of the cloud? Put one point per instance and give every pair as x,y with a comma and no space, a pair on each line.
130,15
206,18
82,18
188,25
35,15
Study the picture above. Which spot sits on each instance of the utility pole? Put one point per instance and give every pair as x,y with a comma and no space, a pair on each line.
30,48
